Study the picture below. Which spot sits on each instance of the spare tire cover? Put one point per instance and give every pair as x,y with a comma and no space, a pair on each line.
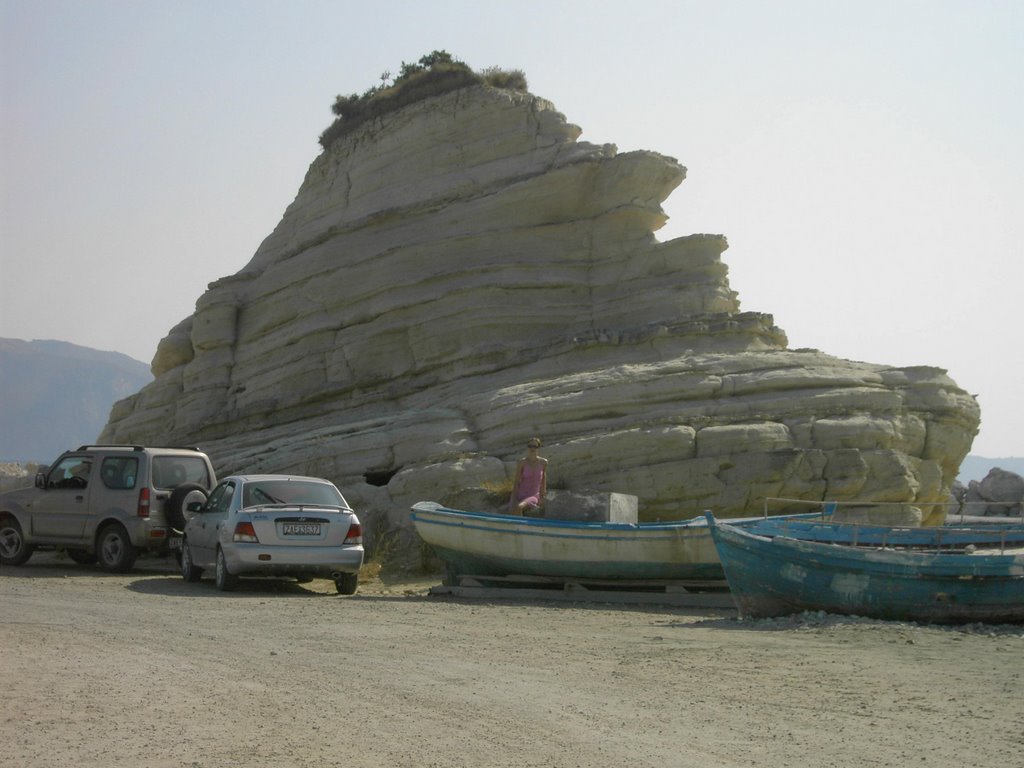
174,508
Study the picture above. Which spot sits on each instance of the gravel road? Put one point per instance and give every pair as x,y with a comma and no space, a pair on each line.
144,670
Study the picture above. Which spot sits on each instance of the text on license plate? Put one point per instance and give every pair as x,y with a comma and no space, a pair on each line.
301,529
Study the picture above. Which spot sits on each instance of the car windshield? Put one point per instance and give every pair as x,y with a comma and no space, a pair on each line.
291,492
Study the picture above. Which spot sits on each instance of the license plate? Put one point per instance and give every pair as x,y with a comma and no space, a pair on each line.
301,529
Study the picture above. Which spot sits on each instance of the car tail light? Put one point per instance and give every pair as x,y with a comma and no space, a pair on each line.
355,534
245,532
143,508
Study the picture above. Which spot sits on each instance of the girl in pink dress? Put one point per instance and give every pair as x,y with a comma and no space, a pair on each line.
530,484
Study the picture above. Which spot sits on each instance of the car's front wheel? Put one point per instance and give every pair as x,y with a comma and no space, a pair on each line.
13,549
189,570
114,549
222,576
347,583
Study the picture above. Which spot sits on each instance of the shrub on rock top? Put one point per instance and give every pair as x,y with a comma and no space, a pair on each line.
434,74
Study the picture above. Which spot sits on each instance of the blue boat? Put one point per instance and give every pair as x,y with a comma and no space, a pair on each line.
777,575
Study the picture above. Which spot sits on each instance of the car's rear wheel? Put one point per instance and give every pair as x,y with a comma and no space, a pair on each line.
347,583
82,556
13,549
182,496
222,576
189,571
114,550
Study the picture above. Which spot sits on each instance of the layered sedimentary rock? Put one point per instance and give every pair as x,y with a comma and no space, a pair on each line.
464,273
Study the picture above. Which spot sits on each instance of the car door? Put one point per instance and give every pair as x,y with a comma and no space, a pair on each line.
205,525
61,510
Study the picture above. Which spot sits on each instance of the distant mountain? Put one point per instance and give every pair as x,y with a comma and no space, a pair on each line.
55,395
977,467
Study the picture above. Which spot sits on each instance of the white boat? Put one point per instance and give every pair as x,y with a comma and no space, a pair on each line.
505,545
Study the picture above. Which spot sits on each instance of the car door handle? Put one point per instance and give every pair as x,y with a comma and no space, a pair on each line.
79,498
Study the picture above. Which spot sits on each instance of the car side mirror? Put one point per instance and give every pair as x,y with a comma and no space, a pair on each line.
40,480
195,506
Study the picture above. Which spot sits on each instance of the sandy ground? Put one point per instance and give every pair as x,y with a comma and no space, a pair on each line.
144,670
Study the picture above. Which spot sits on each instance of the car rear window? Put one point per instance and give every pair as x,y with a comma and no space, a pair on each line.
291,492
172,471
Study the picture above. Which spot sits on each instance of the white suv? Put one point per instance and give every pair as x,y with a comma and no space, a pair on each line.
105,503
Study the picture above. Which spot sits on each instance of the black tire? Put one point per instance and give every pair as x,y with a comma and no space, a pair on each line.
174,507
82,556
347,583
13,549
114,550
189,571
223,579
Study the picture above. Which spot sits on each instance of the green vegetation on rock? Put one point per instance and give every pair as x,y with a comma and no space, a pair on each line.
434,74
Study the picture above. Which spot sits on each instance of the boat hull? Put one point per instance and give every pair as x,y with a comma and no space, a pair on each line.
504,545
780,576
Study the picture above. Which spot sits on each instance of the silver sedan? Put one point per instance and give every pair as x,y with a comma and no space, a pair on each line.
273,525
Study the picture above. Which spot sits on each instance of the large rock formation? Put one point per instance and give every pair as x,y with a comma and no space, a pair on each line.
463,273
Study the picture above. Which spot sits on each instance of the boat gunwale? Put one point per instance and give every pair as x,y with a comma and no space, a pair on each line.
699,521
633,535
869,535
543,522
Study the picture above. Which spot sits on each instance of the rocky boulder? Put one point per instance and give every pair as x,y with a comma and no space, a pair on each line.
999,493
464,273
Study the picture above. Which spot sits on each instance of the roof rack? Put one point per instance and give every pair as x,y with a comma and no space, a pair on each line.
139,447
90,447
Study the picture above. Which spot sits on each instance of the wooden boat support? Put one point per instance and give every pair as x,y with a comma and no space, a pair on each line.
679,593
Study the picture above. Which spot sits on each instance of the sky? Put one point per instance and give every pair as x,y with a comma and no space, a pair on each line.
864,159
